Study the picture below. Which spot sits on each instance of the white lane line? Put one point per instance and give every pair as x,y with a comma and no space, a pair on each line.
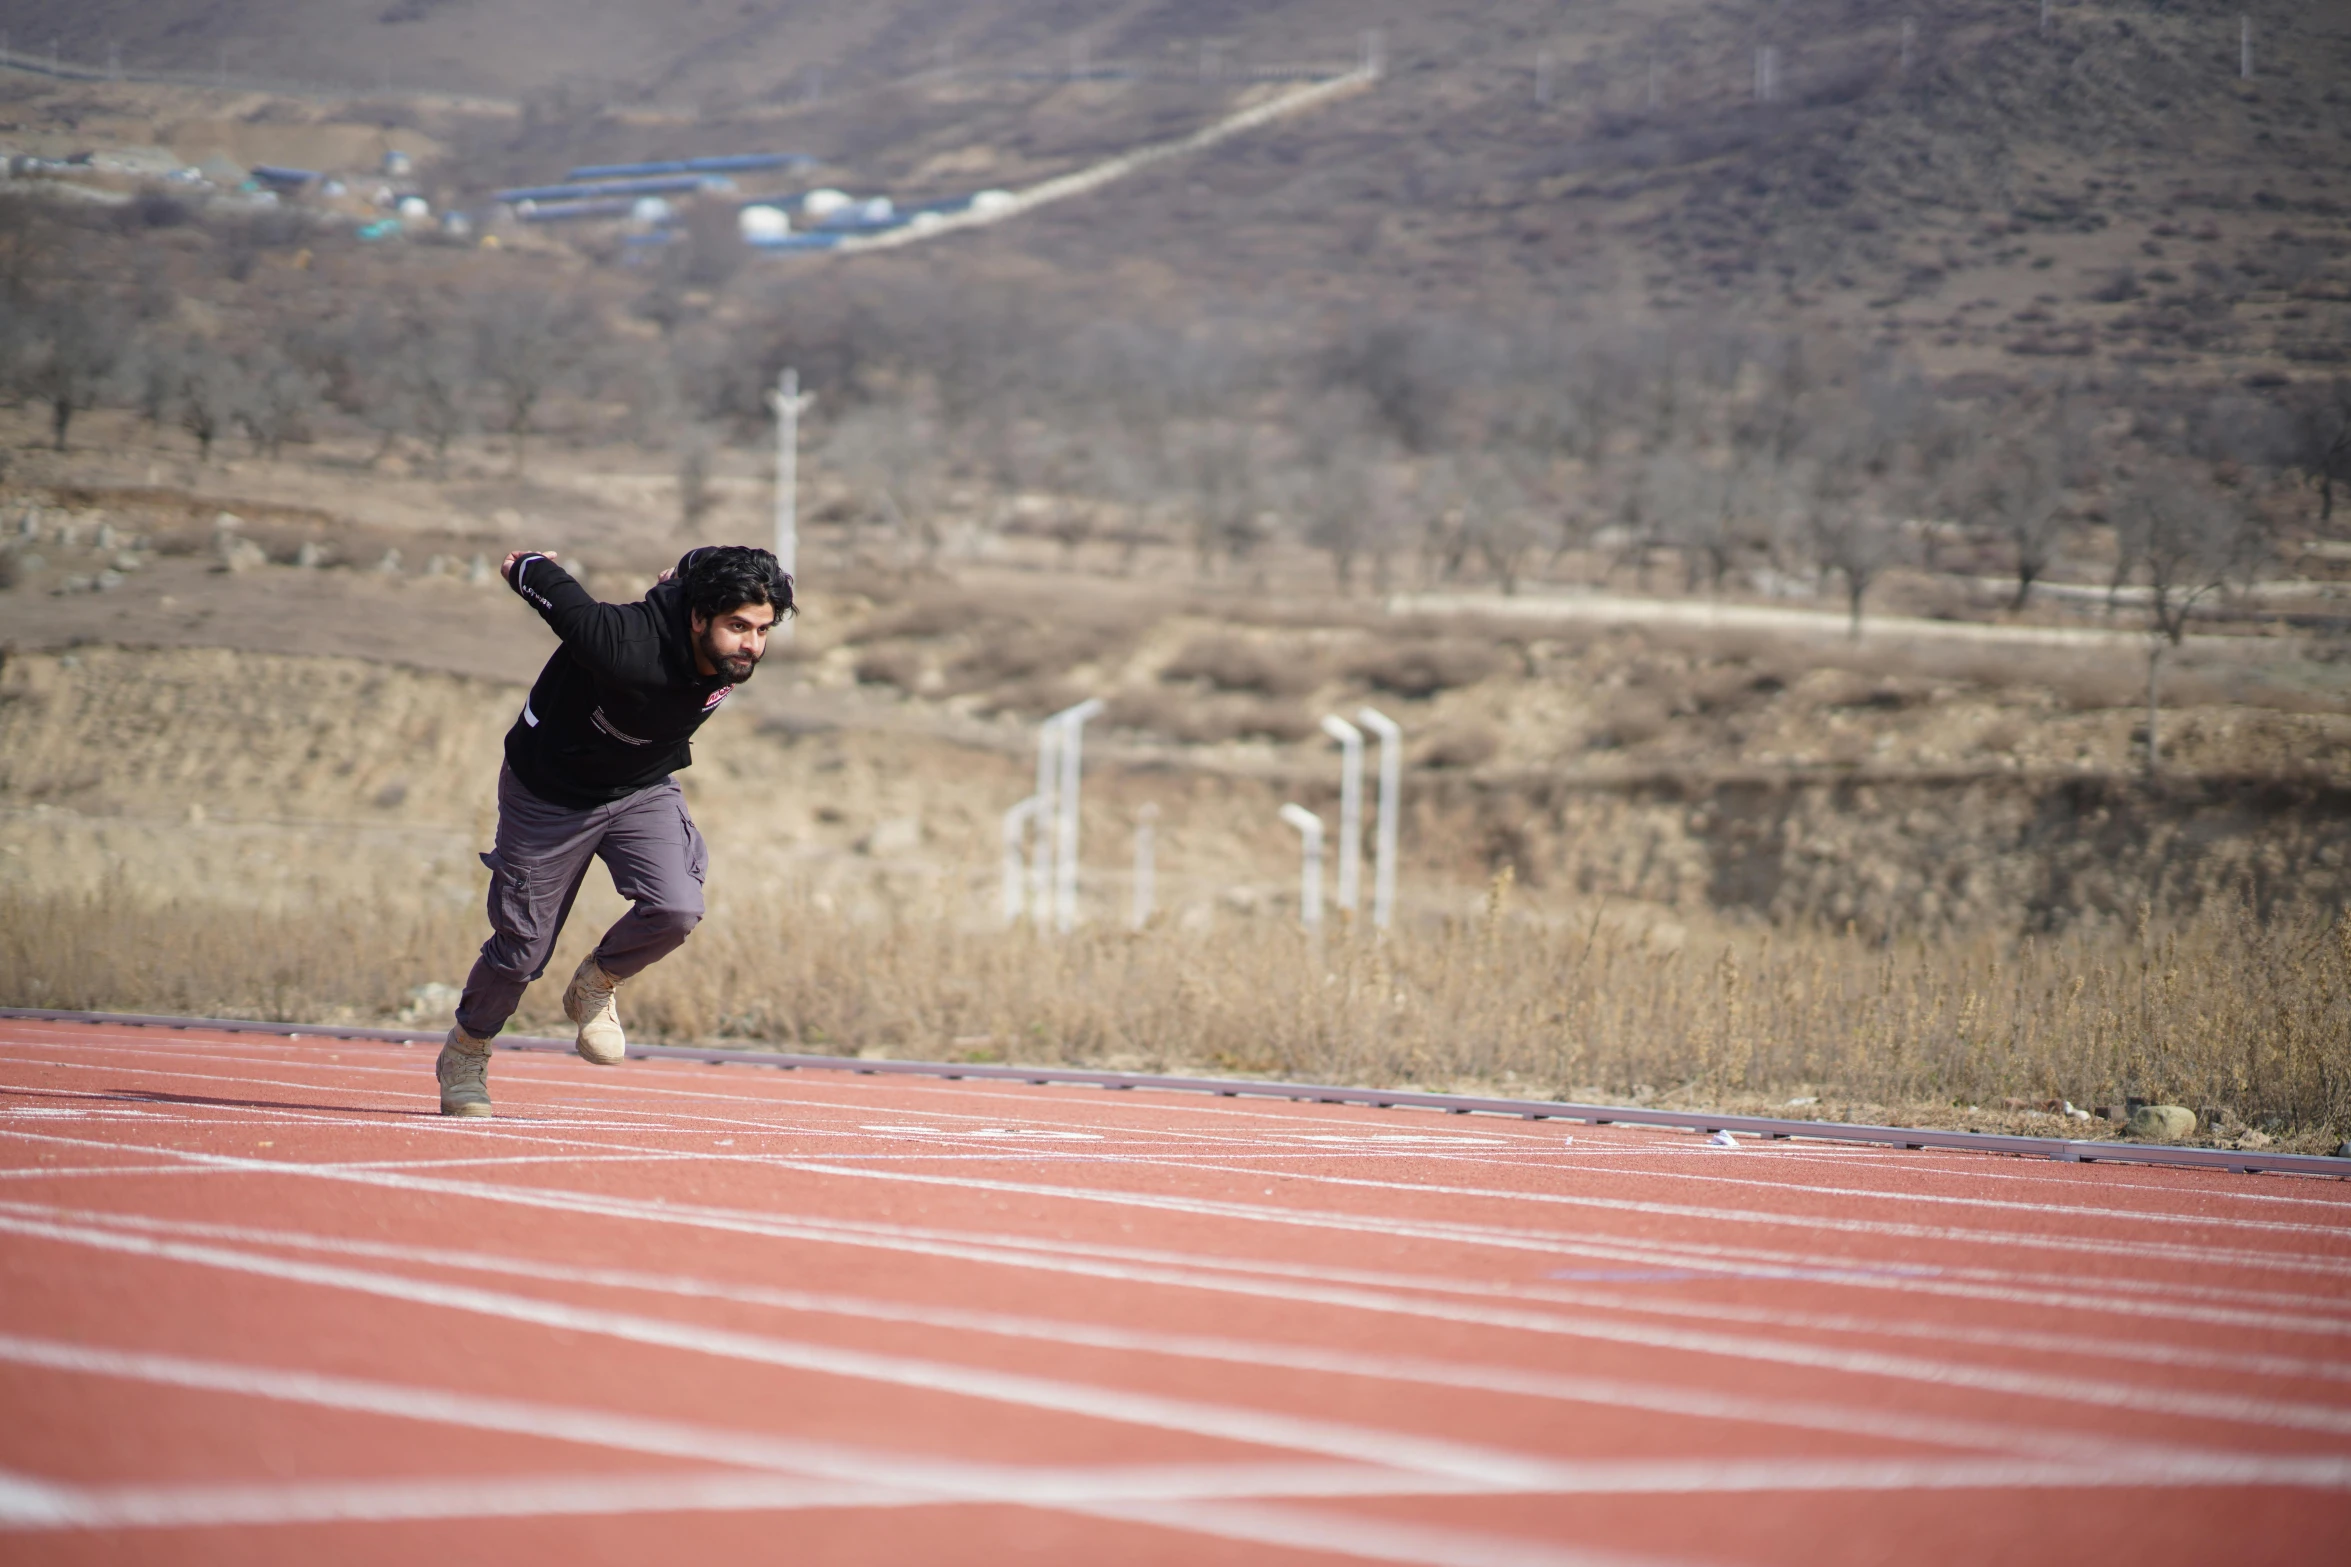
1619,1253
1533,1140
1360,1444
1731,1216
1907,1426
28,1504
2073,1210
41,1505
2043,1385
1613,1139
913,1475
1724,1260
2123,1347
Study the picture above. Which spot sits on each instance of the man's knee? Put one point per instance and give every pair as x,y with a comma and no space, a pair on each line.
514,954
672,917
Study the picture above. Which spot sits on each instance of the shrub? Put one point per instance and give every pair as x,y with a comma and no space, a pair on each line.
1231,665
1422,668
1461,746
890,666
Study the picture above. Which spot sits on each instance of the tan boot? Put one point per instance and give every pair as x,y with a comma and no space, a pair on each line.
588,1001
464,1071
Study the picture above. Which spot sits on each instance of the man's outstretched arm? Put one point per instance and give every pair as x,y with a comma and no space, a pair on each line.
599,634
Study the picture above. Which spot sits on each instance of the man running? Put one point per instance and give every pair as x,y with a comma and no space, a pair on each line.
587,775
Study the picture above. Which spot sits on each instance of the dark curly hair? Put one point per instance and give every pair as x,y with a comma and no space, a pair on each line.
721,577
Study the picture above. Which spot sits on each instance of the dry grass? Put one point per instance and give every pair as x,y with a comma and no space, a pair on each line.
2246,1021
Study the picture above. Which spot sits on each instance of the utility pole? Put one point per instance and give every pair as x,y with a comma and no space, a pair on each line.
1071,721
1350,741
1383,895
789,402
1146,869
1041,852
1309,828
1016,823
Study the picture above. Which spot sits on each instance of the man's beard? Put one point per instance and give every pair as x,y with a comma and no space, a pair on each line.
736,667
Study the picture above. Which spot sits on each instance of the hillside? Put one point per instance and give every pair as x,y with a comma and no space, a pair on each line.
1988,196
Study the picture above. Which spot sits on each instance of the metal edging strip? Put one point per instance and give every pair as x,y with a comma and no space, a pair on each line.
2064,1150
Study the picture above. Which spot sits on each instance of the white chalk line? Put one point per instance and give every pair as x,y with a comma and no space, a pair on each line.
912,1475
1438,1230
1532,1139
1291,1288
1764,1217
1688,1255
1511,1380
2137,1350
1454,1468
1634,1205
1727,1261
1730,1261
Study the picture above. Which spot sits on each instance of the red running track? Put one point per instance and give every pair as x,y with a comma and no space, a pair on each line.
259,1303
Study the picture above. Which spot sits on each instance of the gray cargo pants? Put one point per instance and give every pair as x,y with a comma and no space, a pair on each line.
646,840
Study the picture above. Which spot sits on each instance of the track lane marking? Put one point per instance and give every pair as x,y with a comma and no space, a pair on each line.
1725,1260
1190,1274
1510,1380
1535,1141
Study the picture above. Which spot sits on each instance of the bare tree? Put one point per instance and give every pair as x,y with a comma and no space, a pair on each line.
524,349
432,376
2323,443
695,495
1874,452
2185,537
1499,516
1691,506
279,398
76,349
889,454
2017,483
1217,463
208,393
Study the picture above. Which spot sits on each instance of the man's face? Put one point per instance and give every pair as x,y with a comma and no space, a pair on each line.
733,641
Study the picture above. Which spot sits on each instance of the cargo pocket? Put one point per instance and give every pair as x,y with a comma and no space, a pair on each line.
697,852
510,897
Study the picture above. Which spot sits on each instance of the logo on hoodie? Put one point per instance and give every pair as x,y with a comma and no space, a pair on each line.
717,697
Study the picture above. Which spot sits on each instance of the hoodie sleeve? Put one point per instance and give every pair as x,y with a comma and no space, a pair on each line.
605,637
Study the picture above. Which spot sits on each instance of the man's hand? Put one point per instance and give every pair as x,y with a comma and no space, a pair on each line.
506,566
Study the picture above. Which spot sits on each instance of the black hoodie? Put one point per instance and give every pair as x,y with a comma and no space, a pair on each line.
616,707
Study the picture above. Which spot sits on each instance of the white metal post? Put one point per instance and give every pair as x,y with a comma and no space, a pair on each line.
2245,47
1309,828
1375,54
1146,870
1072,722
1350,740
1909,37
1383,893
1016,822
1542,76
1041,841
789,402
